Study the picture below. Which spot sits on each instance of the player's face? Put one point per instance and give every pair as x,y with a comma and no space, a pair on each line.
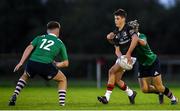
119,21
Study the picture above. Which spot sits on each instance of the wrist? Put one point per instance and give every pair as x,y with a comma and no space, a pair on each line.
128,53
20,63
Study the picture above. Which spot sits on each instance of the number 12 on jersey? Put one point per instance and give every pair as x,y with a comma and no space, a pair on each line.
46,44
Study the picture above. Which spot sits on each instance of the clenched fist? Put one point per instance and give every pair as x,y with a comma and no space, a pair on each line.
110,37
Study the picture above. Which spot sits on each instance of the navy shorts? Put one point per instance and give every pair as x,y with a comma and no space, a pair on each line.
150,71
47,71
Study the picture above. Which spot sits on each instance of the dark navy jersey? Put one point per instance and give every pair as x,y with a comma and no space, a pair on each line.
123,38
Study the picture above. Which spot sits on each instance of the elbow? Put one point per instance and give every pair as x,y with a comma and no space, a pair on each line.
143,43
30,47
66,63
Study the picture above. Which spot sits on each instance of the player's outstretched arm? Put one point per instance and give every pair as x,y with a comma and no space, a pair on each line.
132,47
62,64
26,54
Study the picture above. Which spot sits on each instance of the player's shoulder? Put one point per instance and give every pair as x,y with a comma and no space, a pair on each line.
128,27
40,36
35,38
115,31
59,40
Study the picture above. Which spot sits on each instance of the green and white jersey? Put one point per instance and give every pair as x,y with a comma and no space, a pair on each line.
145,55
47,47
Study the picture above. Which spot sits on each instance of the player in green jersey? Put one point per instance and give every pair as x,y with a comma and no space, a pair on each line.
149,68
41,53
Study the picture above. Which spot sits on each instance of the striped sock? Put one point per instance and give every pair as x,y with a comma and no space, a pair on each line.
62,96
20,85
169,94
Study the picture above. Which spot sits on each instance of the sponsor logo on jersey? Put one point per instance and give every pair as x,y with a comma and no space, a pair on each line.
123,42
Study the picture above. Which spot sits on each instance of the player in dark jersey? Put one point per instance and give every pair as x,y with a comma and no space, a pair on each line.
149,68
124,39
42,52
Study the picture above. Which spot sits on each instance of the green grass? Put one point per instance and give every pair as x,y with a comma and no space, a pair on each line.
82,98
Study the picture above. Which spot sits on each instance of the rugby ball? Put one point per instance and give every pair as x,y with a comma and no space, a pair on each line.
123,62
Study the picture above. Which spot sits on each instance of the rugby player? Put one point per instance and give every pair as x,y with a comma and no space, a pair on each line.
149,75
41,53
124,39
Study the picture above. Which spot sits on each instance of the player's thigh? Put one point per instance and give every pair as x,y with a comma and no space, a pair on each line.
115,69
157,82
60,76
144,83
119,75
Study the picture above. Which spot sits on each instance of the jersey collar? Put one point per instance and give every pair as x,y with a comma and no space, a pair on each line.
52,34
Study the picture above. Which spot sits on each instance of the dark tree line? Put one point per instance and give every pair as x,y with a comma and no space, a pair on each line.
85,23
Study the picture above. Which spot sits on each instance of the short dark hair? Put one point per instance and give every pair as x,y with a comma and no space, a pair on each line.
53,25
120,12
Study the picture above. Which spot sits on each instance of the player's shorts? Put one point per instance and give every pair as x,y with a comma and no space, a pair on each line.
150,71
47,71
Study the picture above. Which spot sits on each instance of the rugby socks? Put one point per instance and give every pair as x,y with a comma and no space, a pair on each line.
110,87
62,96
125,88
20,85
169,94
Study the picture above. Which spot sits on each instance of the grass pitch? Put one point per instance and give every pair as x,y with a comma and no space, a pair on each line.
82,98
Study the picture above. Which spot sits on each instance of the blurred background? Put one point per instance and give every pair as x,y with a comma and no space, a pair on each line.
85,24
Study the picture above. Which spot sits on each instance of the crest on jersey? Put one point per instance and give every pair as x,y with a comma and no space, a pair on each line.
124,34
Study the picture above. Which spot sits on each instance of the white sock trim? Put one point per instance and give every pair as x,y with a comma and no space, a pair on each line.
108,94
128,91
61,90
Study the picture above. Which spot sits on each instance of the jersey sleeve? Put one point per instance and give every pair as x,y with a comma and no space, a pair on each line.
35,42
142,37
63,53
115,40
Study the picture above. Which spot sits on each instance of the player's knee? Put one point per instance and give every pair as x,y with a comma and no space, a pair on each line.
60,78
111,72
25,77
160,88
64,79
